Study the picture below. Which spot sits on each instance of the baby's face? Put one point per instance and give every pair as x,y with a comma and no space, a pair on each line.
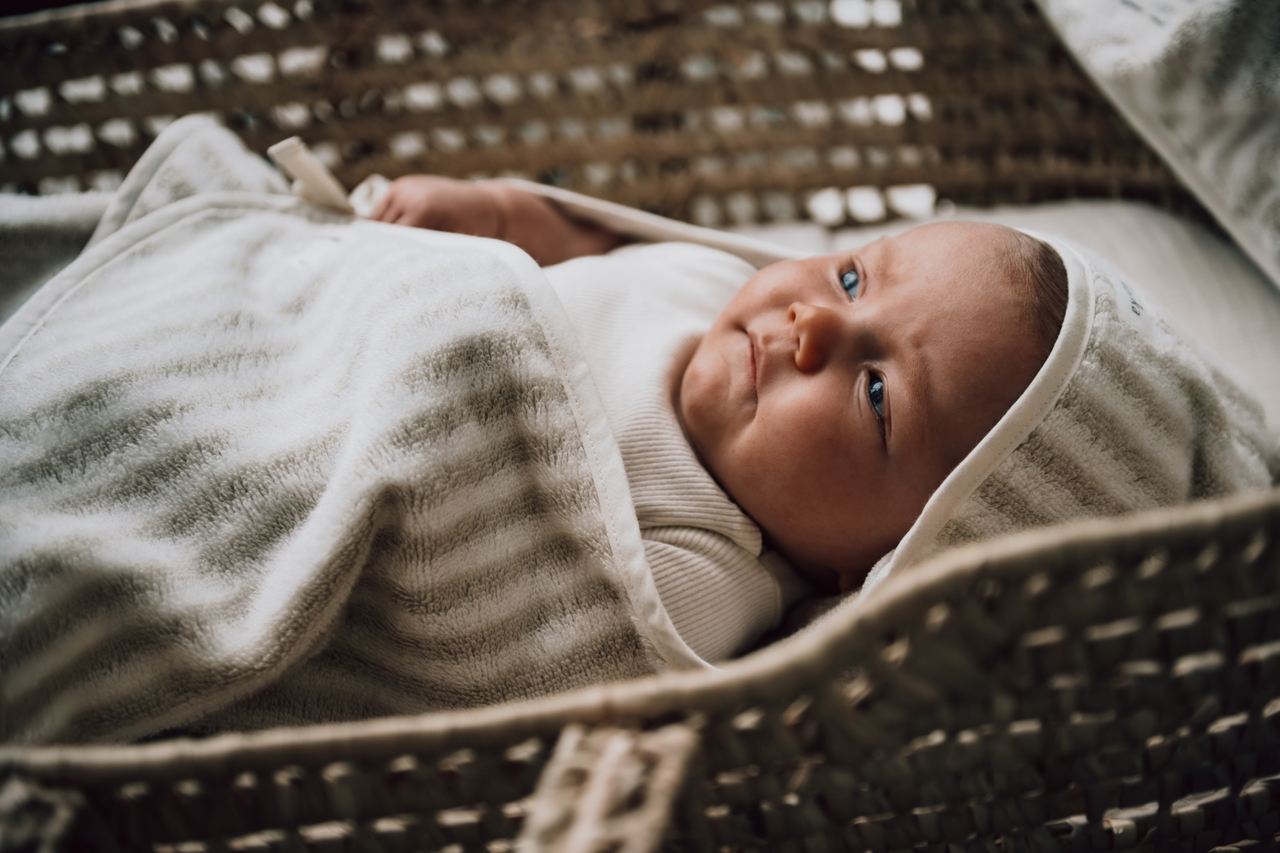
833,395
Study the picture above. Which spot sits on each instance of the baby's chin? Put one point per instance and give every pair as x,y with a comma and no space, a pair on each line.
840,567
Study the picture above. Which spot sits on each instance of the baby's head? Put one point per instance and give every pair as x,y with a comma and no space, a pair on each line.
833,395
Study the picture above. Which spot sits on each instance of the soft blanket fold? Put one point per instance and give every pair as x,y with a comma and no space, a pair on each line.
1198,79
268,465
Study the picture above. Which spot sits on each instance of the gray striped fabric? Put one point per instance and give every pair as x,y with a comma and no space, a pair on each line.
1200,80
263,466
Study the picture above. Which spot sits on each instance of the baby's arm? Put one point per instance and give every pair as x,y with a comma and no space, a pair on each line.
492,209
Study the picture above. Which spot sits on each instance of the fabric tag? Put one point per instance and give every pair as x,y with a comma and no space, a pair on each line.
1133,306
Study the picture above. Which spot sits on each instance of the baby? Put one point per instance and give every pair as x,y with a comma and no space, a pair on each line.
832,395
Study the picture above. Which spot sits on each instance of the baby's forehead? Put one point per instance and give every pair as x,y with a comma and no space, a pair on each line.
987,234
983,250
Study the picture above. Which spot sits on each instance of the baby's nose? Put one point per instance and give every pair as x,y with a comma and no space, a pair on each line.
815,330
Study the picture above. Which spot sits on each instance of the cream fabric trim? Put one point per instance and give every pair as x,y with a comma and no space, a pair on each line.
658,229
1011,430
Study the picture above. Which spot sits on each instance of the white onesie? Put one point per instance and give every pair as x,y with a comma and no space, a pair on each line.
639,311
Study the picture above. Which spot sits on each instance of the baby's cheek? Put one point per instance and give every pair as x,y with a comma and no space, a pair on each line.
811,421
699,397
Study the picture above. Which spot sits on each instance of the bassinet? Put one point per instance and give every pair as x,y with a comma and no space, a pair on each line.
1067,690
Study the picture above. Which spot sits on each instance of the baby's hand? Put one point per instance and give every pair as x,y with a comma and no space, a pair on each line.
441,204
492,209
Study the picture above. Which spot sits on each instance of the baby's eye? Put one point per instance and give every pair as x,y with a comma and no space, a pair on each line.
875,393
849,281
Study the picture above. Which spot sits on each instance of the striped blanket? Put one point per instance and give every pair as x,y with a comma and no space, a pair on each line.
268,465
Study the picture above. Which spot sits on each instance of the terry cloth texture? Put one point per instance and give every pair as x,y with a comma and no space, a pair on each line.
1124,415
1200,80
270,465
39,235
639,312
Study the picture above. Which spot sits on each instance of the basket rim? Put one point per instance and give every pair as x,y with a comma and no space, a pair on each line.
784,668
101,9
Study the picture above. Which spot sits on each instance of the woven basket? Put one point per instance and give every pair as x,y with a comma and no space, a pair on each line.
1063,691
1112,685
714,113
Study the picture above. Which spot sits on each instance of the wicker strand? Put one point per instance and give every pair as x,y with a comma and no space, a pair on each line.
609,789
715,113
1103,686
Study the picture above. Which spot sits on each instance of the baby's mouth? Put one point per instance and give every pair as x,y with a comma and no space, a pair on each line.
751,344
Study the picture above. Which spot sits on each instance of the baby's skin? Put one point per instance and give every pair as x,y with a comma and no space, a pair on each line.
492,209
833,394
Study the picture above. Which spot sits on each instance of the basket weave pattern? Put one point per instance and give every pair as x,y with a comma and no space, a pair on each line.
715,113
1062,693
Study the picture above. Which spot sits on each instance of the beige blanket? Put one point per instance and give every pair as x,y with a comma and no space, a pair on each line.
263,464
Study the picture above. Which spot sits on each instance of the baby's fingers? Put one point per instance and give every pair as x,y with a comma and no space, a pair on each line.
386,210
